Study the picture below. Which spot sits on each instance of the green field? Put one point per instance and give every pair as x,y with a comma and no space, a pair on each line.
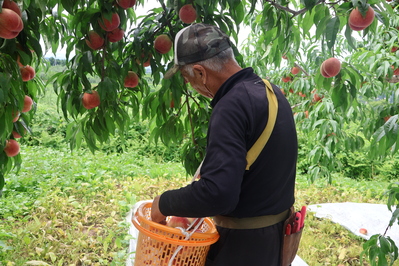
69,209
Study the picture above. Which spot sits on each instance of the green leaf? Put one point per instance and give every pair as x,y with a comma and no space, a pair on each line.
331,31
321,25
395,217
384,245
309,4
307,22
2,182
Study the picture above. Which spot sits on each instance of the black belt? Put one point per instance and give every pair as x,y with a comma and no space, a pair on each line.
250,222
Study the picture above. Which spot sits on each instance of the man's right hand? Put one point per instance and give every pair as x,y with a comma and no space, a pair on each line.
156,215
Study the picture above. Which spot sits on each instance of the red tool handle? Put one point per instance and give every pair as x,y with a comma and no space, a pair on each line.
288,230
297,221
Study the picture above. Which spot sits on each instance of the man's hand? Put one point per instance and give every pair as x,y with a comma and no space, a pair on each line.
156,215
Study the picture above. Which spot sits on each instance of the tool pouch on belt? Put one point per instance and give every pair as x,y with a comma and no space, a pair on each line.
290,243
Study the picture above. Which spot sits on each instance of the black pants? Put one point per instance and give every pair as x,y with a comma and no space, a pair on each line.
247,247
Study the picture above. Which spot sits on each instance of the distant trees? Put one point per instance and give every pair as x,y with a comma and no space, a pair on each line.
56,62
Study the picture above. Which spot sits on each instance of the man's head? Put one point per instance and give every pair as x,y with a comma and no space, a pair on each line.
197,43
205,58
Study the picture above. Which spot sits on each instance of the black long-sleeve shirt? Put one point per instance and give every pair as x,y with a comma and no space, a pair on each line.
239,116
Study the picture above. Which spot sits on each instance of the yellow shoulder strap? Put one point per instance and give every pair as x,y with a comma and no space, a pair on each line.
256,149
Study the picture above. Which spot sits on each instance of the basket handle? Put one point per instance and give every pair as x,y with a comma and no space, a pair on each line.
188,235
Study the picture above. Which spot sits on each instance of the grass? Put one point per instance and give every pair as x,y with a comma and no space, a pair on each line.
70,209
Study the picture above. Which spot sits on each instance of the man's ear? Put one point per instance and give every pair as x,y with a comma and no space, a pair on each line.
200,72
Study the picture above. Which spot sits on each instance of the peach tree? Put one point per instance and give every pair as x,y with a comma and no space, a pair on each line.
331,59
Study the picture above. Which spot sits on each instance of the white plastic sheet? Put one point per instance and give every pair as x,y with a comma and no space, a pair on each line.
353,216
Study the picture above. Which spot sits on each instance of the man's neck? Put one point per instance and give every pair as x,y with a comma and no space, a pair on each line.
219,78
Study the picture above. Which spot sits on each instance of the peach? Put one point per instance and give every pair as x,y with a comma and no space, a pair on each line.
356,28
16,135
295,70
317,98
146,63
176,221
125,4
195,222
110,25
28,102
19,61
94,40
363,231
27,73
13,6
330,67
394,49
15,116
10,24
357,20
187,14
131,80
163,44
386,118
91,100
115,35
286,79
12,148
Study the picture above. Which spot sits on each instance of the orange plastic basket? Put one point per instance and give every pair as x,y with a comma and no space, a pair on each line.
156,243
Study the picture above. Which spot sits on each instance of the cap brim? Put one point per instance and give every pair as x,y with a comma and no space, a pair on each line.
171,72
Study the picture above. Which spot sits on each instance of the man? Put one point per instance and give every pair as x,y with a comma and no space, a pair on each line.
248,206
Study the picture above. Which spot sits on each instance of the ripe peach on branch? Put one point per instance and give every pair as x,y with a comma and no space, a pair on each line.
27,72
10,24
317,98
91,100
357,21
13,6
295,70
386,118
125,4
28,102
94,40
131,80
16,135
162,44
12,148
286,79
109,25
115,35
145,63
188,14
330,67
15,116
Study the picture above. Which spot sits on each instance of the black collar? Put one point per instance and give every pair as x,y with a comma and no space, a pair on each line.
231,82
